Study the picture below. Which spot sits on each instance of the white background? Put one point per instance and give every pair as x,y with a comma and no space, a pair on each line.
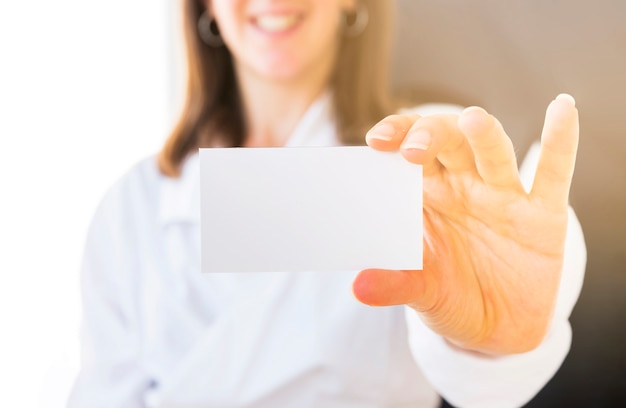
85,92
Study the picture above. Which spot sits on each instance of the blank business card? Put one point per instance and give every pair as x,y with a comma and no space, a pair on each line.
309,209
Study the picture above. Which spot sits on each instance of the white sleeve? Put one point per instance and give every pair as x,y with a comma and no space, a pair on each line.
110,374
470,379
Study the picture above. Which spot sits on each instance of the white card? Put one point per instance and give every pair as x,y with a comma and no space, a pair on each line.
309,209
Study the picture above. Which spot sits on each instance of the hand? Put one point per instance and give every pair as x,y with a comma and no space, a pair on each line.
493,253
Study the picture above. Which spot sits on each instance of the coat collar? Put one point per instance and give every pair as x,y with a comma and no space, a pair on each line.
179,198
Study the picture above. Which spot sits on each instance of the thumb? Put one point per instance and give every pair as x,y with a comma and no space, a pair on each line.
380,287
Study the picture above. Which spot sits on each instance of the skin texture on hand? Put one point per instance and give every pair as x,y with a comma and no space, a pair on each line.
493,253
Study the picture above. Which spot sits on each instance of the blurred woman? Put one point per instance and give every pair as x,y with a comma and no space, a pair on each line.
486,319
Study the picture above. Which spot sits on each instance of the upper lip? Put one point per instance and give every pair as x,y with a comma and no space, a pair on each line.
275,12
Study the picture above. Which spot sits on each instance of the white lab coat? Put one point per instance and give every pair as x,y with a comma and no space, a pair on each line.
158,333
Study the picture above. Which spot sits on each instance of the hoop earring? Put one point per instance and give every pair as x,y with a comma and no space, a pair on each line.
354,23
208,31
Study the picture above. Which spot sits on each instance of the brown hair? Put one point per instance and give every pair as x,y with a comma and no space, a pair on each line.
212,106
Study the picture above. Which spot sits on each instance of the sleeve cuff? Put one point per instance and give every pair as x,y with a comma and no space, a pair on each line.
469,379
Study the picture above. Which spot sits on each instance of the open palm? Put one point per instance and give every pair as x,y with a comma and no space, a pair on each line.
493,253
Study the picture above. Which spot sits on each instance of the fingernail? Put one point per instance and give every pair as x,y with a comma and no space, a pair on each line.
567,97
383,131
417,140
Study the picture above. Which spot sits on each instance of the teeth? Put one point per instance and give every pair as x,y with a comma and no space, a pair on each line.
273,23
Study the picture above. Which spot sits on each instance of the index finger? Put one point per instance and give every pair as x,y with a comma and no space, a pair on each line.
388,134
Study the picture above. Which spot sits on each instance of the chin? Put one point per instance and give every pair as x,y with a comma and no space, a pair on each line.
281,71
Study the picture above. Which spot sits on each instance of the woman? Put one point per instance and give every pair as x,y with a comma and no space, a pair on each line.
486,322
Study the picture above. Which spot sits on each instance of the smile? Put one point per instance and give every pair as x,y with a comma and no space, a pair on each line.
275,23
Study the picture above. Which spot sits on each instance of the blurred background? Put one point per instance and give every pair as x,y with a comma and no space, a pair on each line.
86,90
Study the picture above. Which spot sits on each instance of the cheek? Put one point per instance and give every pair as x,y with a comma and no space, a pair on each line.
325,28
229,17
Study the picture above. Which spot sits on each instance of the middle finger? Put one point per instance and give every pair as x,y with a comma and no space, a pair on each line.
436,141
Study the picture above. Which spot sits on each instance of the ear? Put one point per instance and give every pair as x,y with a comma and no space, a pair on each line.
348,5
208,4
